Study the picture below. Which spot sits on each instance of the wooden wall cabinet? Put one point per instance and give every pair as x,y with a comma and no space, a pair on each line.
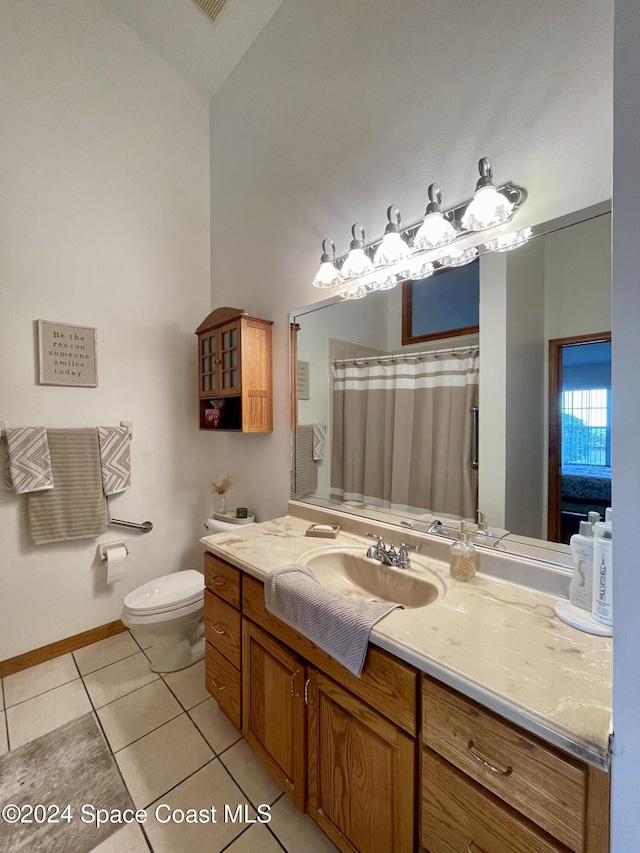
234,372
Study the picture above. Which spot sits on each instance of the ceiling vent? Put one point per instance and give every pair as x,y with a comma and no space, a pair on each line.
211,8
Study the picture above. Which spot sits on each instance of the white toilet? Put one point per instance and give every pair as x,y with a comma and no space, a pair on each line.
168,611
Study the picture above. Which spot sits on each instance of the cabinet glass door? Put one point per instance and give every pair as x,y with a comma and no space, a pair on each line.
230,362
208,365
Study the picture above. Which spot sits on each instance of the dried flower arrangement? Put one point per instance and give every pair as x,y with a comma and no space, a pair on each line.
222,488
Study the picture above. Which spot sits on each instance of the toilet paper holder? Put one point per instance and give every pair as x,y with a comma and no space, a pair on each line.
104,547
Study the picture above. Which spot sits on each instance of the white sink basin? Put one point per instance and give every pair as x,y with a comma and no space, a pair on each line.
347,570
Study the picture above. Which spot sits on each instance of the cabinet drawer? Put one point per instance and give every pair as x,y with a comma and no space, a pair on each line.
222,627
540,783
223,579
223,683
386,683
458,816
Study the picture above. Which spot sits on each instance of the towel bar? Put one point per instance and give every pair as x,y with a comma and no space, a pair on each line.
146,526
127,424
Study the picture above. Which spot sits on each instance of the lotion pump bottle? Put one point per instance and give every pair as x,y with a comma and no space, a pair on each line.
581,544
602,572
463,558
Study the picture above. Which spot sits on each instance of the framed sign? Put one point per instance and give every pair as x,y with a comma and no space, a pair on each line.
67,354
303,380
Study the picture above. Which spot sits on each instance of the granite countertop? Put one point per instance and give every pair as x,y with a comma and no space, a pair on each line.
495,641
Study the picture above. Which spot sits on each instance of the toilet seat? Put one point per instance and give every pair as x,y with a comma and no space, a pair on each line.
177,591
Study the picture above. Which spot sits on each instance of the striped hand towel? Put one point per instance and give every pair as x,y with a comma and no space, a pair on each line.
27,462
115,459
339,625
76,507
319,440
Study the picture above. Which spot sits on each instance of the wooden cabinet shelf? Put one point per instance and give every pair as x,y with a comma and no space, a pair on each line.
234,372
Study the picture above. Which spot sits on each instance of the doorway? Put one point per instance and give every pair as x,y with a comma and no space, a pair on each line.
579,431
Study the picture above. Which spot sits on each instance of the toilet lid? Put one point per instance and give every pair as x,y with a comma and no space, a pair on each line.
166,593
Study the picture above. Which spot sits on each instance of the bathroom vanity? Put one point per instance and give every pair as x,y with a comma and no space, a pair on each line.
480,723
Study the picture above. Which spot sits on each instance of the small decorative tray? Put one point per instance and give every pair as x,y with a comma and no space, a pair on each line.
324,531
231,517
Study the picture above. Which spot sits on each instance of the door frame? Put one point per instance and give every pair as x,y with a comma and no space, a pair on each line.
554,496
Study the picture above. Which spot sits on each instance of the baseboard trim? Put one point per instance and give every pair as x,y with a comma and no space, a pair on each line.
61,647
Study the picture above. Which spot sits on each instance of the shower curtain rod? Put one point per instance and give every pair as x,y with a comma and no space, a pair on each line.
407,355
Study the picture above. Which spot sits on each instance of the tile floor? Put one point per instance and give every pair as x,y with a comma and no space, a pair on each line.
171,743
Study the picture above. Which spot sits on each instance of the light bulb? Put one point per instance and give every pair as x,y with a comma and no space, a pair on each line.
419,268
357,293
327,275
357,262
458,258
509,241
489,207
392,248
436,230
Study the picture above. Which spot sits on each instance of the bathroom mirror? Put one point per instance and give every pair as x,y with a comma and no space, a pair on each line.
556,286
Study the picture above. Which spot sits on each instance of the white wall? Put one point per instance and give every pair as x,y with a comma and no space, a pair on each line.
339,109
104,216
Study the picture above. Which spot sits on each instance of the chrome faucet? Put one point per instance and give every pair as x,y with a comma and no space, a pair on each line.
379,552
389,556
435,527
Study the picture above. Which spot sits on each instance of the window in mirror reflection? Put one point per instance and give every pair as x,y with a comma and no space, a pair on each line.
443,305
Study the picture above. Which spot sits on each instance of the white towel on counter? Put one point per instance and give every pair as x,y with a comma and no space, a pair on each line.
28,461
339,625
115,459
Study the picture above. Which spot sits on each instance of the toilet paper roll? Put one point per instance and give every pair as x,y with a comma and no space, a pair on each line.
116,558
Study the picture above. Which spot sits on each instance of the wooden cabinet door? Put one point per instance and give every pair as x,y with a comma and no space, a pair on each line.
274,718
362,783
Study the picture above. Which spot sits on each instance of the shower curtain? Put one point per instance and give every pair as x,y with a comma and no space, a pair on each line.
402,433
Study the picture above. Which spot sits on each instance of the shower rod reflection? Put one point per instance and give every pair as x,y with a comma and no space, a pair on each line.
146,526
405,356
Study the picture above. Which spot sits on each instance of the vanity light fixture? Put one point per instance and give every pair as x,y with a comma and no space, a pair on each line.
509,241
357,262
392,248
458,258
436,230
411,252
357,293
328,275
489,206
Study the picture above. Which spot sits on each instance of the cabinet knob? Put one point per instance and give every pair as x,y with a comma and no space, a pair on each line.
218,686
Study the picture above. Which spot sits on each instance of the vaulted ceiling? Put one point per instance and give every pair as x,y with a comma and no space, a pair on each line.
204,53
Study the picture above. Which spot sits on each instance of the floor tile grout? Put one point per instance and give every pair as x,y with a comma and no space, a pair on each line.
35,696
104,666
6,719
154,729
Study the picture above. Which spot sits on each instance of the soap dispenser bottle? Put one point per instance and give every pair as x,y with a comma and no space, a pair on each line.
463,559
482,536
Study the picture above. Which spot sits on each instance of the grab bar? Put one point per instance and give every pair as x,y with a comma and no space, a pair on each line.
474,437
146,526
